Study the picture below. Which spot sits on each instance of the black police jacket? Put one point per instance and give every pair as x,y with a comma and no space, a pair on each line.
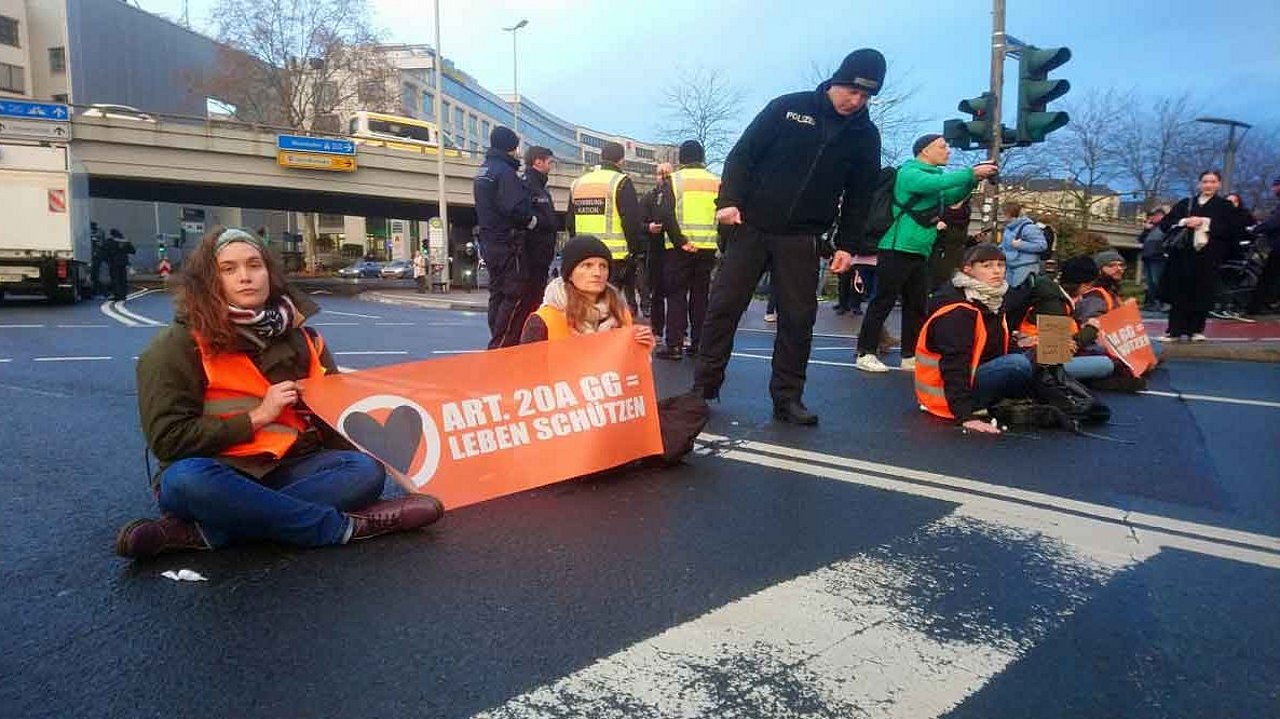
502,200
788,171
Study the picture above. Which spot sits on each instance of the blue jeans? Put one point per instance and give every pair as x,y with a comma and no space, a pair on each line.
1084,367
1003,377
1152,270
300,503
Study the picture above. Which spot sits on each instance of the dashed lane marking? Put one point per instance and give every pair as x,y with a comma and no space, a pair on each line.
394,324
334,324
81,326
71,359
20,327
351,314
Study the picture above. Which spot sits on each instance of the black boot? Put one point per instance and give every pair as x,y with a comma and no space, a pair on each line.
794,412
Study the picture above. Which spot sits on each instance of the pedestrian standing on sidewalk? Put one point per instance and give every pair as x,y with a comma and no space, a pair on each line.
1153,258
781,188
241,457
692,251
1190,282
1023,244
420,271
921,191
504,213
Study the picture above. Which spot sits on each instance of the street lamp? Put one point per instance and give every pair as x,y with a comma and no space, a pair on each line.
441,198
1232,145
515,75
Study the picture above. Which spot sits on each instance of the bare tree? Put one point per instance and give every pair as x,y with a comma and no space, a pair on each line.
297,62
1083,154
1152,143
702,105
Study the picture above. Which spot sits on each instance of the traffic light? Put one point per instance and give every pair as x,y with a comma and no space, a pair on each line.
1036,90
975,133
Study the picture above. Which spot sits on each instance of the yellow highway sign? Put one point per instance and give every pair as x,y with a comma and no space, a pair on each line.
316,161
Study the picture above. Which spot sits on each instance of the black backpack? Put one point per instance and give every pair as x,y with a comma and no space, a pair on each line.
884,209
1050,238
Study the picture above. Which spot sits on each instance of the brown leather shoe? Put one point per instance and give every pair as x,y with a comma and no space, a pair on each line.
148,537
414,511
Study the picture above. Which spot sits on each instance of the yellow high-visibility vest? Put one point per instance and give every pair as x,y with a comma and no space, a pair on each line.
696,189
594,198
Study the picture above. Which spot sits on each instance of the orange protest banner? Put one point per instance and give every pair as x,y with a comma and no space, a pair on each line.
473,427
1125,338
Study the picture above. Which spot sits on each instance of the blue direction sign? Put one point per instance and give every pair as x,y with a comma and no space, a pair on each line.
326,145
52,111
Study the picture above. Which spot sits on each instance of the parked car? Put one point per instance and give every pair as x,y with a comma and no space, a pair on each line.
117,112
363,268
397,270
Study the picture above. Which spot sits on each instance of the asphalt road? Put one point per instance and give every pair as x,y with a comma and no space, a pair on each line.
880,565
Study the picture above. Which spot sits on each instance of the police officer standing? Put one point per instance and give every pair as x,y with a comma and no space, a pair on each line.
97,256
603,203
782,187
118,250
540,242
504,214
691,249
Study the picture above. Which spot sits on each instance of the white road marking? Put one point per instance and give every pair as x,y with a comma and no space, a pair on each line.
1212,398
70,359
824,363
394,324
81,326
141,320
6,359
372,352
20,327
140,293
351,314
108,308
30,390
334,324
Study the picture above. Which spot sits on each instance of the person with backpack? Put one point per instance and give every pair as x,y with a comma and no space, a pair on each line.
1023,243
906,208
965,357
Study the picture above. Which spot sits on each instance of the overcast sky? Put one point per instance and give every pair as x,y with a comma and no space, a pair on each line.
604,64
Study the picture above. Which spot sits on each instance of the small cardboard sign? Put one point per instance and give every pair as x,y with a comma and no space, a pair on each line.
1054,344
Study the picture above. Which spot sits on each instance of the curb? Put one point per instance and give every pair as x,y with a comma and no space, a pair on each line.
426,303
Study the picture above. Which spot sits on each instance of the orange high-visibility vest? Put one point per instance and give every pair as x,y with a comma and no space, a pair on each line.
930,390
1029,328
236,386
558,324
1107,297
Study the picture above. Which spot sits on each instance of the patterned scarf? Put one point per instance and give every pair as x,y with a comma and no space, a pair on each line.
267,323
981,292
598,318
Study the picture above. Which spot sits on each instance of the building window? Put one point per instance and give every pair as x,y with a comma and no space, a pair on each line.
444,111
371,93
8,31
326,96
645,154
11,78
593,141
484,129
58,60
591,158
428,105
472,123
459,120
60,97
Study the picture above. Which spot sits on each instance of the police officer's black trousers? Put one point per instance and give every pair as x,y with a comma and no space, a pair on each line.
688,281
506,321
657,287
794,262
119,281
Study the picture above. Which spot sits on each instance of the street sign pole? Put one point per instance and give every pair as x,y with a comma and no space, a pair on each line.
442,203
998,49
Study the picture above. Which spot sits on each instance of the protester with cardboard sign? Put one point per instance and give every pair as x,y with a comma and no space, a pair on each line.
241,455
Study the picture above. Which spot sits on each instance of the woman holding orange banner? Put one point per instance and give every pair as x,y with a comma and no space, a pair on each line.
242,458
581,301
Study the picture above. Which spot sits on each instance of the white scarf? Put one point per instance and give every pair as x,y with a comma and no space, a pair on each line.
981,292
598,318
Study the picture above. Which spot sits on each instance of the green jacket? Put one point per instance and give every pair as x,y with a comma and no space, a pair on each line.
171,385
922,187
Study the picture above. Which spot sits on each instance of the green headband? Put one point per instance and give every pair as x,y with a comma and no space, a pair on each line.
235,234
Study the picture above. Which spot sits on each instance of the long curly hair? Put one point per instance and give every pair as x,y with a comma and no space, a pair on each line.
199,296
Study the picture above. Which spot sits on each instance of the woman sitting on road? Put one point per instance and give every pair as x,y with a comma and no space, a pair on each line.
241,457
963,363
581,301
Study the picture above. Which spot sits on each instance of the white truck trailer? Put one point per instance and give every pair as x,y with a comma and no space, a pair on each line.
44,224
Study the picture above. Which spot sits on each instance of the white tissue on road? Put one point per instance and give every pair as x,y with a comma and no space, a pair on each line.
184,575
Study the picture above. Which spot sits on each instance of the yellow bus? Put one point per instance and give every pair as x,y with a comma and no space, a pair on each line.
401,133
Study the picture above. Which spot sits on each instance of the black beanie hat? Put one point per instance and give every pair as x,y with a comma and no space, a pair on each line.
863,69
579,249
922,142
1078,270
504,139
982,252
612,152
691,151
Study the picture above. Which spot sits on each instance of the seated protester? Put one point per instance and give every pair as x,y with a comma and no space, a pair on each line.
1103,294
581,301
1059,298
241,458
963,362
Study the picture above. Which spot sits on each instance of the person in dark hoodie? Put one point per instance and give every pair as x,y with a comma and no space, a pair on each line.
781,188
241,457
603,203
964,361
540,242
504,213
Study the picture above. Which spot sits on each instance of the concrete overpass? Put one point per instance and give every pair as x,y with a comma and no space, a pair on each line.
234,165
